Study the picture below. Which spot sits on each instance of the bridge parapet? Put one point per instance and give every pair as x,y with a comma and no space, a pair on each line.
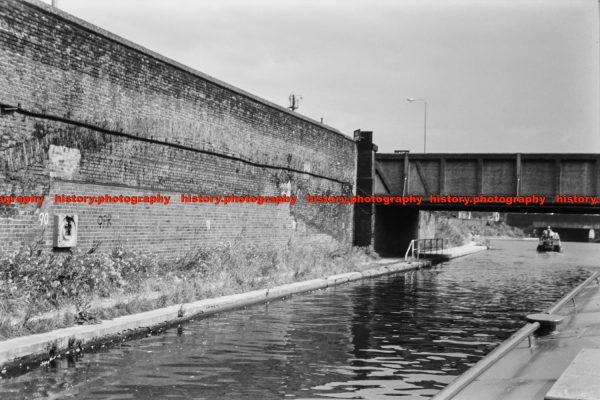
492,174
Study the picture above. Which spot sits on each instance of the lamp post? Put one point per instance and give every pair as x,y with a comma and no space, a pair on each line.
410,100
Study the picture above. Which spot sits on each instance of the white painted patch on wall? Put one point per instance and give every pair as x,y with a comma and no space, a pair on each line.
63,161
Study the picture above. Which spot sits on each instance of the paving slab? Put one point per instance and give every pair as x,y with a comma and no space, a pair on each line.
581,379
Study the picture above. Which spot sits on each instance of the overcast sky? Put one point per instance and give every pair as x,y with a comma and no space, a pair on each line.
498,75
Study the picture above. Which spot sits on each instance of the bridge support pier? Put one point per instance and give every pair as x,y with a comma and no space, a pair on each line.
387,228
364,221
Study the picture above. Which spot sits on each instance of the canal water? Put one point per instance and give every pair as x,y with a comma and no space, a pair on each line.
403,336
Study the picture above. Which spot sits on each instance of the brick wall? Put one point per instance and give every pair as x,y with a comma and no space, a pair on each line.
99,115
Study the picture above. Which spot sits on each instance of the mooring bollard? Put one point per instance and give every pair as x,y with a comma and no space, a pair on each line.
548,323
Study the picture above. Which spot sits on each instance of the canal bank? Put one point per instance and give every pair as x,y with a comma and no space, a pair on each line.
453,252
461,251
559,365
41,292
406,334
44,346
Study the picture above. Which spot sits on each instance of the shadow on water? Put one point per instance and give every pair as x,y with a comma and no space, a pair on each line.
405,335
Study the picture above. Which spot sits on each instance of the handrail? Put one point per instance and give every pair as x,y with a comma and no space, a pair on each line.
472,373
482,365
411,246
569,296
420,245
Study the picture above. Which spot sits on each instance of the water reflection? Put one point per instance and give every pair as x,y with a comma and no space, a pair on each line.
404,336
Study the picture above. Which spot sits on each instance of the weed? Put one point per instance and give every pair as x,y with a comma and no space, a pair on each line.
101,285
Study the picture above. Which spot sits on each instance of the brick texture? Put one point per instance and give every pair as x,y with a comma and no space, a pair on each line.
99,115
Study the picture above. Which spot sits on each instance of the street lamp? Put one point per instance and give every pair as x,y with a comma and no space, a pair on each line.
410,100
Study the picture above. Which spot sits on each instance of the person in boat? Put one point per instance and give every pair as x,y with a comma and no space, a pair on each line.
547,233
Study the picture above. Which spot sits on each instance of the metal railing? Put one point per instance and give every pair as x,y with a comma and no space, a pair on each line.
411,250
571,295
525,332
427,247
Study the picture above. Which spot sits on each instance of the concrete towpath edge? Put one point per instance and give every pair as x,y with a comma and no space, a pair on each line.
44,346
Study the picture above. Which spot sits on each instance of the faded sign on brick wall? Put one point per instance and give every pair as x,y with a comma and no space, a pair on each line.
63,161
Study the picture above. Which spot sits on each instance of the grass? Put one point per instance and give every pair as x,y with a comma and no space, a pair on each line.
41,291
462,231
448,229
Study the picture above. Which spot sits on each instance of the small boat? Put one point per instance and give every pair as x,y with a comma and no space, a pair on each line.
549,244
